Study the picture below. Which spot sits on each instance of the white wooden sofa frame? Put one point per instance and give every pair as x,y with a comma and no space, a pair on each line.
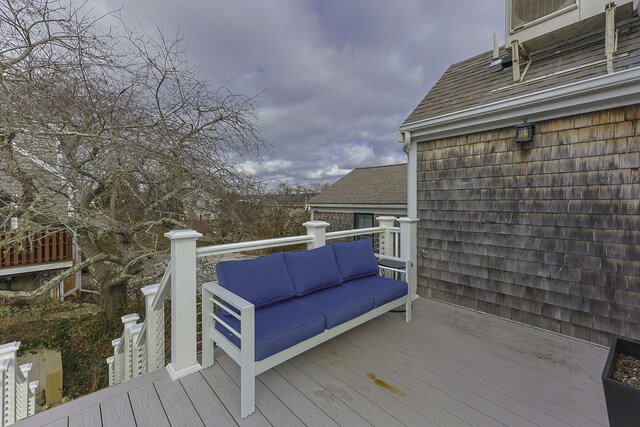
245,356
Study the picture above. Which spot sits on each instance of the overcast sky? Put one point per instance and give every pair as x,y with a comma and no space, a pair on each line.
335,78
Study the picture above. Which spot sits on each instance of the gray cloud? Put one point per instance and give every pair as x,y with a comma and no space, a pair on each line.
335,78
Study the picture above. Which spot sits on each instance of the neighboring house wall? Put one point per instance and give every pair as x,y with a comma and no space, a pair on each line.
547,233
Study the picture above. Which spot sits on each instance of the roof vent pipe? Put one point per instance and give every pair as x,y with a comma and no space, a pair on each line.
496,46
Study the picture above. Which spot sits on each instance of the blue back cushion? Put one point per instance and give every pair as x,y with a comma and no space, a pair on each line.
313,269
355,259
261,281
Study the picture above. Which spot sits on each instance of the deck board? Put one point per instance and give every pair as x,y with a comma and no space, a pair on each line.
211,410
147,408
117,412
271,406
87,417
331,405
177,404
449,367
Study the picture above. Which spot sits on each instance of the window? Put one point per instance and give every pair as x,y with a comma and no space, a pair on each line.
361,220
524,12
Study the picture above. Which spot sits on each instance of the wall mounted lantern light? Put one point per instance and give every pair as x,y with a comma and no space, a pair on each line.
524,132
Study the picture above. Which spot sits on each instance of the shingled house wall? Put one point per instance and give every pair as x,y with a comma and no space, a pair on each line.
546,233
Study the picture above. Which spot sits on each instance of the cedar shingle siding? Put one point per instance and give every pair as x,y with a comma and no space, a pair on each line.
547,233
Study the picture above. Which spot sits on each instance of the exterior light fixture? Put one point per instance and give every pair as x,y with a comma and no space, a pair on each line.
524,132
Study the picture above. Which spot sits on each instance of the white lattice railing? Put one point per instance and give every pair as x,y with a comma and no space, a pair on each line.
141,348
18,395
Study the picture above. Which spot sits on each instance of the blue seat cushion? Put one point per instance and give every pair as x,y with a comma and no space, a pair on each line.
355,259
338,304
261,281
313,269
278,326
381,289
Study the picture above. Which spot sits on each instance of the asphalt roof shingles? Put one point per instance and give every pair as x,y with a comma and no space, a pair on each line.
380,185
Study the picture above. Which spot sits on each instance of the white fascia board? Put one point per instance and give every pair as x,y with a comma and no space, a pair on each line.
354,208
599,93
34,268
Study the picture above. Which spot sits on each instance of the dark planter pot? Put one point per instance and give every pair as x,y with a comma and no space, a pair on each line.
623,401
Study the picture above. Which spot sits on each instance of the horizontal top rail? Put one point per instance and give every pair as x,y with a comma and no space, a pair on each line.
352,233
230,248
163,289
142,337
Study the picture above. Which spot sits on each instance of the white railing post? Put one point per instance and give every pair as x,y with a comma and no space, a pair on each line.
4,366
128,321
33,386
183,303
118,362
22,392
386,239
9,352
154,319
112,372
134,333
317,230
408,250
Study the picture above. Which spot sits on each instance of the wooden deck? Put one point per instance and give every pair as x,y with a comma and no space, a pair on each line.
449,367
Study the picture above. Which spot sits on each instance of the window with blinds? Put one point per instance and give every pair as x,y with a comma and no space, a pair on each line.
524,12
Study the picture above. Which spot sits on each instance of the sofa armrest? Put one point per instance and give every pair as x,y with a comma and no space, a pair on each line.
406,265
227,296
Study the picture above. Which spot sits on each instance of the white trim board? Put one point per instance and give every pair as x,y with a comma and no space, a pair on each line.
400,210
599,93
35,268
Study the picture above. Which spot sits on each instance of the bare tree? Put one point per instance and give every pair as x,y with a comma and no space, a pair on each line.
111,134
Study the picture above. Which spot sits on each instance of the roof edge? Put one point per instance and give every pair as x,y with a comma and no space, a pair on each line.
612,90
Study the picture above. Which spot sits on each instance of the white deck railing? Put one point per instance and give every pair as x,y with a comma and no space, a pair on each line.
141,348
17,394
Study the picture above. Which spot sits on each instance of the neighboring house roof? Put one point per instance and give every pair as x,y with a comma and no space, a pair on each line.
287,200
472,83
379,185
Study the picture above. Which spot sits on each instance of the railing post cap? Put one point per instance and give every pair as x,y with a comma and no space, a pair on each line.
183,235
150,289
26,367
9,347
110,360
115,342
407,219
130,318
135,329
316,224
33,385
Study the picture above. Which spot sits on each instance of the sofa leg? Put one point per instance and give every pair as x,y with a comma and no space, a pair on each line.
247,391
408,313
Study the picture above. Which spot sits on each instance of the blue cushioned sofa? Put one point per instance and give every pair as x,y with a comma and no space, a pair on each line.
275,307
